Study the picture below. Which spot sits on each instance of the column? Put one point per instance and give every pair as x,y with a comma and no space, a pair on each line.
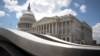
37,29
65,28
40,29
46,29
43,29
55,28
59,28
68,27
49,28
71,31
52,28
62,28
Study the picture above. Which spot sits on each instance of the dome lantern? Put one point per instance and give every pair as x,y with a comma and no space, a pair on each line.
29,8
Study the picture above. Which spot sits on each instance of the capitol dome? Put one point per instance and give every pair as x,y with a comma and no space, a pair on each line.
28,17
26,20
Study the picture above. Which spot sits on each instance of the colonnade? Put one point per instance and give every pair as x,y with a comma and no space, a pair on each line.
55,28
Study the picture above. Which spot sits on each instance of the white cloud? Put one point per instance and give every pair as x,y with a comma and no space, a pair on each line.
66,12
76,4
18,15
49,5
12,6
83,8
60,13
2,13
96,32
40,8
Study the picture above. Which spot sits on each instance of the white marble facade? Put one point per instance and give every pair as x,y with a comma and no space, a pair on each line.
66,27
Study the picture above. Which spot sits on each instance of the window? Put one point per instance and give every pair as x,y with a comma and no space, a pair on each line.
63,38
67,38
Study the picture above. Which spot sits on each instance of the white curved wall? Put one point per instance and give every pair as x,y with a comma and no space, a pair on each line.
42,47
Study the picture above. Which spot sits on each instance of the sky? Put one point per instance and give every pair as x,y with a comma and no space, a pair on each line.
84,10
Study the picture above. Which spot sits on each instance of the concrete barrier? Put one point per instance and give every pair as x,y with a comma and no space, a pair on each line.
43,47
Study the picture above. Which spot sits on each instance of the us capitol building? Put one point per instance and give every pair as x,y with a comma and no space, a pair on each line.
66,27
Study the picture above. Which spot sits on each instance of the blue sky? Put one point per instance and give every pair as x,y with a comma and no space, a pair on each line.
84,10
